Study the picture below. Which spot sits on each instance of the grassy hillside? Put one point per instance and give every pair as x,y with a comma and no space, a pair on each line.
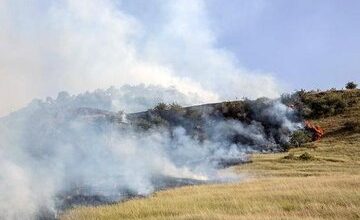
324,185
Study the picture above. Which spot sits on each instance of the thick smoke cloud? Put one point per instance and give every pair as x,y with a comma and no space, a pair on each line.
56,152
52,150
82,45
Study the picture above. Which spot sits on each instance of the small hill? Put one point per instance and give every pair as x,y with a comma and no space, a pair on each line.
320,180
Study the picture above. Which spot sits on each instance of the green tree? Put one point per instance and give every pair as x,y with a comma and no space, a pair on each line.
351,85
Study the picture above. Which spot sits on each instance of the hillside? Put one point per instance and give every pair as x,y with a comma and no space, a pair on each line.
322,184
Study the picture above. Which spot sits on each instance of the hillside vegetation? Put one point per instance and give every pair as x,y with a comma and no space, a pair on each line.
320,180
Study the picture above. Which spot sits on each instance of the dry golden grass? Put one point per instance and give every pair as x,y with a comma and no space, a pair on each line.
327,187
328,197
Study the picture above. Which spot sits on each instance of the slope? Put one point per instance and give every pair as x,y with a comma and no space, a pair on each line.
323,184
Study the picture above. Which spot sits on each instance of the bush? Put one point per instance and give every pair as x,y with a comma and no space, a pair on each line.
300,137
306,156
233,109
176,108
160,107
290,99
352,125
351,85
324,105
301,92
158,121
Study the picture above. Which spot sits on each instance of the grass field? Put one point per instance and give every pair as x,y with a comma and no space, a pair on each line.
327,186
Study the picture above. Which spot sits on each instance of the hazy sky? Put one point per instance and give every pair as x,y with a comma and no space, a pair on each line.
308,44
218,49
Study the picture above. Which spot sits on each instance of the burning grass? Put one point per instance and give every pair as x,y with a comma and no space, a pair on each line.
327,187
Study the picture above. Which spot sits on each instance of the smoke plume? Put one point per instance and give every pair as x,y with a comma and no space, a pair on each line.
83,45
77,149
60,152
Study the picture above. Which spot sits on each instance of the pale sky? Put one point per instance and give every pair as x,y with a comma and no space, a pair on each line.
220,50
307,44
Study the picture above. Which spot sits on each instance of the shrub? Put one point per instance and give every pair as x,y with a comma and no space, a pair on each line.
352,102
233,109
300,137
301,92
290,99
285,146
352,125
306,111
176,108
351,85
306,156
157,120
160,107
324,105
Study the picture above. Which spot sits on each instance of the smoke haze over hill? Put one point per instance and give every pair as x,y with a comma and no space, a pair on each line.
79,46
56,153
60,150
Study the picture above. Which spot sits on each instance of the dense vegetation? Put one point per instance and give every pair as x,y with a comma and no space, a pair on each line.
196,120
318,180
313,105
298,138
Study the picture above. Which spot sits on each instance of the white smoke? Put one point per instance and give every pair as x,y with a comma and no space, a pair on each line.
47,151
125,98
51,151
82,45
